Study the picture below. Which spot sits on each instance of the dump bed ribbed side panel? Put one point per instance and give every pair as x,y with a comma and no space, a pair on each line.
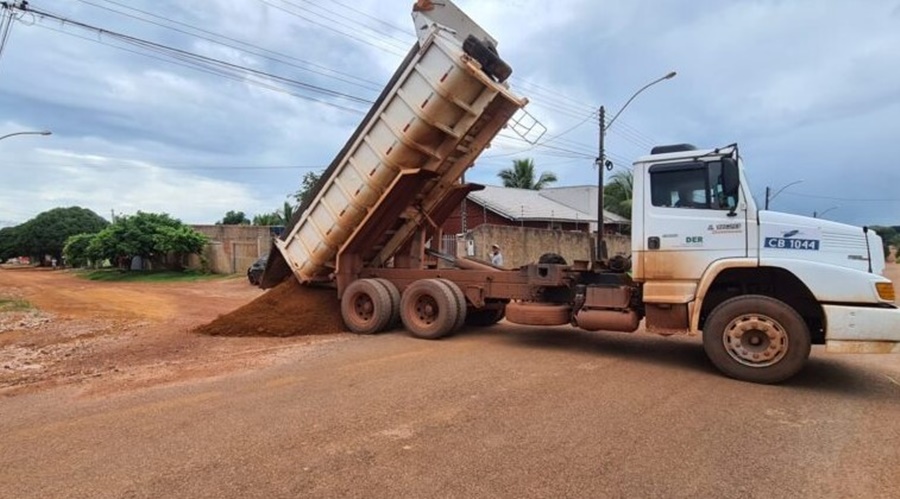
419,123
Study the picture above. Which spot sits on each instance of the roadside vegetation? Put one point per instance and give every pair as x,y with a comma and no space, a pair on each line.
14,305
117,275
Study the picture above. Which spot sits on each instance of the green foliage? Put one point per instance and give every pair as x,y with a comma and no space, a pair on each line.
890,236
521,176
273,218
115,275
14,305
76,250
307,188
617,194
46,234
9,243
287,213
235,218
148,235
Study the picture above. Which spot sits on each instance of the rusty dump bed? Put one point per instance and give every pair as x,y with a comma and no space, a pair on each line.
400,170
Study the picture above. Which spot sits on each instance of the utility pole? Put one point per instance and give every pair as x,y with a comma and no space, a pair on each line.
768,190
601,165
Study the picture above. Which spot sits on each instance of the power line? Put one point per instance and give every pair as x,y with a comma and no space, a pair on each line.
259,50
210,63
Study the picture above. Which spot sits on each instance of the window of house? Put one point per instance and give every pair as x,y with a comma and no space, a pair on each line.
695,185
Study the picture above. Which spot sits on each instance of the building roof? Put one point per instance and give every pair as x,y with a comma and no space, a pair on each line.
531,205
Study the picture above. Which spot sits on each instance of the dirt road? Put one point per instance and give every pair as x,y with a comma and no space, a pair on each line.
504,412
104,336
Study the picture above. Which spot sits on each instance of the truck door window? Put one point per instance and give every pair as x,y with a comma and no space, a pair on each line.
696,185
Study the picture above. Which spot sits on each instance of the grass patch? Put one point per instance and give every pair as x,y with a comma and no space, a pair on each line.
116,275
14,305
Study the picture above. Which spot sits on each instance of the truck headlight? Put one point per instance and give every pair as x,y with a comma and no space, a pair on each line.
885,291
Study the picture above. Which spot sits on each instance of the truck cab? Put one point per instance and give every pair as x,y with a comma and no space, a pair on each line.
761,286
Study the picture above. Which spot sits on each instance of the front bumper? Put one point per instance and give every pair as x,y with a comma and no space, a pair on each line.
862,329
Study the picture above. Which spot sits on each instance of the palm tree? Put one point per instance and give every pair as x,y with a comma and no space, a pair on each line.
521,176
617,193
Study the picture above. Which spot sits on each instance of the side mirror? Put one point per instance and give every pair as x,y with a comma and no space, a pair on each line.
731,178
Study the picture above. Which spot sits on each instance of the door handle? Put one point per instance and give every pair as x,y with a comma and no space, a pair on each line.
653,243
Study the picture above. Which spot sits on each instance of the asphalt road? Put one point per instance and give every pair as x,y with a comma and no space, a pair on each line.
504,412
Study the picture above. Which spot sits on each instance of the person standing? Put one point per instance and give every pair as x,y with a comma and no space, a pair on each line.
496,256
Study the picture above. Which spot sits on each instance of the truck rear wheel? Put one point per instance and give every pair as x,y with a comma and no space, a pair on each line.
756,338
395,300
428,309
366,306
460,302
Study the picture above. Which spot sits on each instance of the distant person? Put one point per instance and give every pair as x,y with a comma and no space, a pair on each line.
496,256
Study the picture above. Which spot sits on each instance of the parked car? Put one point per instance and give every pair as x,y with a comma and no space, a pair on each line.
255,272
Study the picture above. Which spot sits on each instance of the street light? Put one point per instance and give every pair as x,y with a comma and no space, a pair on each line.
42,132
817,214
769,189
601,160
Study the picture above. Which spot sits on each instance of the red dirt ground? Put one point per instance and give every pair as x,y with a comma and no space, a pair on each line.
289,309
104,336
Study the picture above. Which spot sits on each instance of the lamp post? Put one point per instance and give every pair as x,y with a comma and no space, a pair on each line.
817,214
601,160
43,132
769,189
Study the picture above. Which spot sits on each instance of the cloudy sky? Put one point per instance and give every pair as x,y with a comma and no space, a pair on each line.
810,89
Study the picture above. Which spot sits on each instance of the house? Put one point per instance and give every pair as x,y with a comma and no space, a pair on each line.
561,208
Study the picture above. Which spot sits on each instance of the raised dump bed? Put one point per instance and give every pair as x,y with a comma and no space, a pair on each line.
401,168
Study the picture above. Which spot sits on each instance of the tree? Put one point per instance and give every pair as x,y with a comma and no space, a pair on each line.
9,243
617,193
76,250
307,188
147,235
273,218
234,218
889,237
46,234
521,176
287,213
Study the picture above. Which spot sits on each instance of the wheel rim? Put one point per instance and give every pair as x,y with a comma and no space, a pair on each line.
755,340
426,310
363,307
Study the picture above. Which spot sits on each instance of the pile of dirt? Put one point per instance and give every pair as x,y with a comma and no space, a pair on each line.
288,309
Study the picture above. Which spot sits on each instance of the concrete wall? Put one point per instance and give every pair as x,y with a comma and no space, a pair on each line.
521,246
232,248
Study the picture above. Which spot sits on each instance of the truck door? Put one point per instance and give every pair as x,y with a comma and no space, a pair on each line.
689,222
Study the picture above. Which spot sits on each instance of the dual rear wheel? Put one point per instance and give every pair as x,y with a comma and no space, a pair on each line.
428,308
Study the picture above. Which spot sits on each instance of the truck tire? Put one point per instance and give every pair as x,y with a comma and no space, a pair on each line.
428,309
554,258
366,306
486,55
395,301
756,338
485,317
460,302
539,314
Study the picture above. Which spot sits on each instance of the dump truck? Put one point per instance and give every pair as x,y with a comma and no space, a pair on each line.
760,287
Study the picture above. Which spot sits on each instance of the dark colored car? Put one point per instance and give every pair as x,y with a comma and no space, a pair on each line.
255,272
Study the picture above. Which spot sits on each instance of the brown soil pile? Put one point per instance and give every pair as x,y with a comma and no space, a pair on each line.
288,309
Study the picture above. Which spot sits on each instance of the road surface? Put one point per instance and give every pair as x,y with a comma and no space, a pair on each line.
504,412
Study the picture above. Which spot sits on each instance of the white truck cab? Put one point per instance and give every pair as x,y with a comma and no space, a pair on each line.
761,286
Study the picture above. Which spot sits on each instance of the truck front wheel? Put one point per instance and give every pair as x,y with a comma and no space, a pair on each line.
756,338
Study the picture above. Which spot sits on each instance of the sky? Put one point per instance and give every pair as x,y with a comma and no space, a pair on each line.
809,89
